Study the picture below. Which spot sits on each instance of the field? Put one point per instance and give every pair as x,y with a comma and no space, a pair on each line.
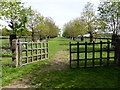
55,72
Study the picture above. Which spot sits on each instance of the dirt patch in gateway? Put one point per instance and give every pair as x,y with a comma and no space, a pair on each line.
58,62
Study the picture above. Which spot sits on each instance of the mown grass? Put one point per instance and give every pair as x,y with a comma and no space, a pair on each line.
103,77
11,73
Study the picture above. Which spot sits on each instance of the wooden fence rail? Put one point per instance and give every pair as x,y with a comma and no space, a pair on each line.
27,52
5,55
32,52
92,53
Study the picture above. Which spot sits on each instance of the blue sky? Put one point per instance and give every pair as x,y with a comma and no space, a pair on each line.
61,11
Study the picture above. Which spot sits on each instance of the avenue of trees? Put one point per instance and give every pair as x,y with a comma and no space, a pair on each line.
106,20
23,21
74,28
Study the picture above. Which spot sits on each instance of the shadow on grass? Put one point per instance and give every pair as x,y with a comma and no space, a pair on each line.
64,44
64,40
104,77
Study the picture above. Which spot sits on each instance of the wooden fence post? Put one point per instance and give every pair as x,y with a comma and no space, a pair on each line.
93,62
101,53
20,52
32,51
108,53
37,50
47,50
117,45
86,54
70,54
78,54
15,52
118,54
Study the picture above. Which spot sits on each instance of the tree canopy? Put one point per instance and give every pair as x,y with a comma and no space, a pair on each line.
74,28
15,14
24,20
82,25
109,13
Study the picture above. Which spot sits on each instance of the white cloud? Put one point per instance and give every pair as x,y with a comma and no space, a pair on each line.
60,10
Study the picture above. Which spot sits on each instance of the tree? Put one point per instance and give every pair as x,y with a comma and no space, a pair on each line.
52,30
88,15
49,29
74,28
109,14
69,30
14,13
34,20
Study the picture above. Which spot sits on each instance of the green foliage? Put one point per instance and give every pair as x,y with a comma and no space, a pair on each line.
84,24
41,27
47,28
4,31
34,20
88,15
15,14
53,30
22,20
109,15
74,28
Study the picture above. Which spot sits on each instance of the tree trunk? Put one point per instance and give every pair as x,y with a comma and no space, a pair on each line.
13,36
114,36
91,37
82,38
33,35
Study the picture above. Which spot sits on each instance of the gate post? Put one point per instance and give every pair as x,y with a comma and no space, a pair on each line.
19,52
70,54
118,54
117,45
15,52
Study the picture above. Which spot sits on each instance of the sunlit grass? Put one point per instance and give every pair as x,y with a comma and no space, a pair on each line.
102,77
